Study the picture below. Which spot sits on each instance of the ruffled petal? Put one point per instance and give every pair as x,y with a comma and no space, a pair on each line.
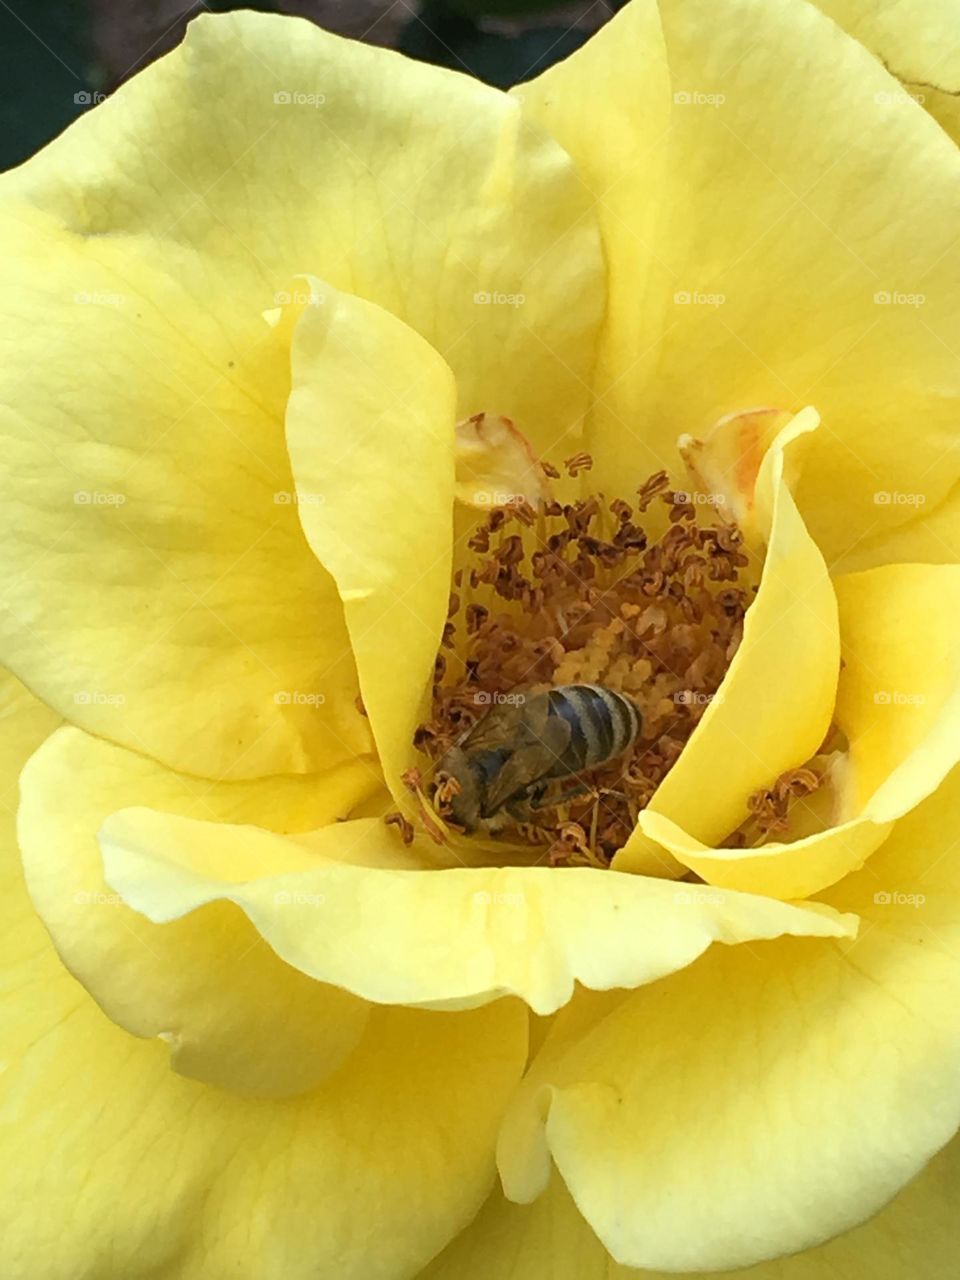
156,1177
776,701
898,703
152,1176
899,698
159,588
360,916
765,1099
916,1237
371,429
232,1013
779,230
916,41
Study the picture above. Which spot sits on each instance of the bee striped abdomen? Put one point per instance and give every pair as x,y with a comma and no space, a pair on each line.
603,723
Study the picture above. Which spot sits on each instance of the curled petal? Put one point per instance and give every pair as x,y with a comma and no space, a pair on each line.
370,426
690,1120
443,938
774,237
776,701
232,1013
154,491
496,465
915,1237
898,703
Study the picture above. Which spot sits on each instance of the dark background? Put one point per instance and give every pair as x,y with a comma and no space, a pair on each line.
55,55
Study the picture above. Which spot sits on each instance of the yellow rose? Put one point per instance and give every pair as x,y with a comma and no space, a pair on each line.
246,301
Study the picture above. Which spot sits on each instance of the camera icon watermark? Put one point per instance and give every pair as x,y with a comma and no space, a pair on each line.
695,98
699,897
683,498
894,498
97,498
894,898
898,97
99,298
285,498
300,297
896,298
483,698
696,698
488,898
297,698
486,298
496,498
298,898
897,698
297,98
695,298
97,698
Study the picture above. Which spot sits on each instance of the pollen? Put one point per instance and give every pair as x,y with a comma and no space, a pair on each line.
643,595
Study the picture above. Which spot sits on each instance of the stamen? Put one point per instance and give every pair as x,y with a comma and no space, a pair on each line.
403,825
783,810
769,806
579,462
581,593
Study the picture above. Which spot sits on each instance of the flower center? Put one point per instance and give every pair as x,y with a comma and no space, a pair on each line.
644,600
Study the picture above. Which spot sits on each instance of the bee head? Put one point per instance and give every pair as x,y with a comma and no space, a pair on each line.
464,808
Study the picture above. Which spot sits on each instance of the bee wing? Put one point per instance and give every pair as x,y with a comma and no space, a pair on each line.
522,768
498,728
529,762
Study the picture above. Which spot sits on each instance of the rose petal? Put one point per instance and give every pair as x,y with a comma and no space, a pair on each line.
916,1237
496,465
764,1099
915,41
142,248
898,703
444,938
232,1013
779,229
776,701
370,427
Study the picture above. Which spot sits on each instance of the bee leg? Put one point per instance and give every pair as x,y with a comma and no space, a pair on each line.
551,800
541,795
523,805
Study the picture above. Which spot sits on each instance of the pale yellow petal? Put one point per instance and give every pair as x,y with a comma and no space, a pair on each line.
787,870
340,909
766,1098
780,229
898,700
145,1175
931,537
24,723
370,427
898,703
231,1012
916,1237
157,586
155,1177
776,701
495,464
159,590
916,41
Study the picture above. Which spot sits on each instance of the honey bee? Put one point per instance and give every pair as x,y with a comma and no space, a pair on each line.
510,763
